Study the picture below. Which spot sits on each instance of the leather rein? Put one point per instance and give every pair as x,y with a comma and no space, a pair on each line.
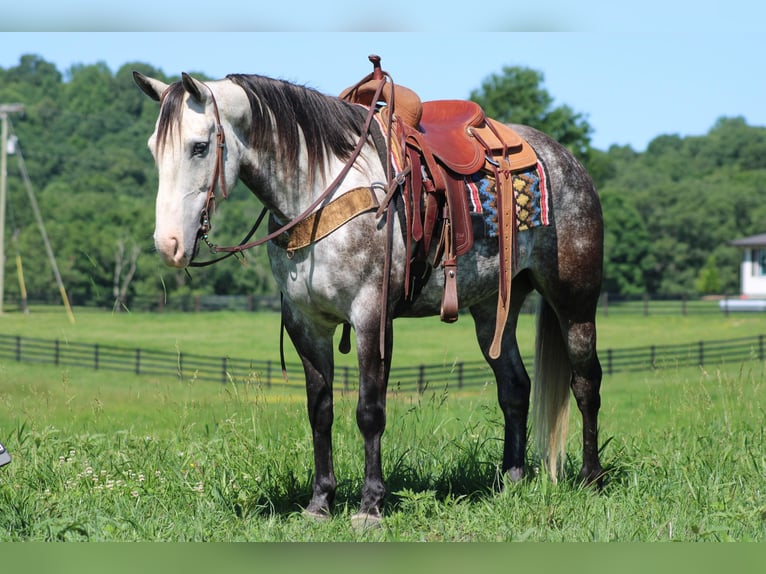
219,180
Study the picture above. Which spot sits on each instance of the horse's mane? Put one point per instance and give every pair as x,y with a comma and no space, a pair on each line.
327,123
170,112
279,109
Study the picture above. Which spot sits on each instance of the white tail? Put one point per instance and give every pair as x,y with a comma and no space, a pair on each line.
550,399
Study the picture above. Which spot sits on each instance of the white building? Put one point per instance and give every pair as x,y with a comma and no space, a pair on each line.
753,266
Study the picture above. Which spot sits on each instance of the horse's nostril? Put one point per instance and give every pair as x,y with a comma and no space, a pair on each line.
172,251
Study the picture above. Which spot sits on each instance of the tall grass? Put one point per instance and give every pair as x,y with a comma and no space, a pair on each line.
121,457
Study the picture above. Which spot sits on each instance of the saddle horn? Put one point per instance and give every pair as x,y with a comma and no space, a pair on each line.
407,104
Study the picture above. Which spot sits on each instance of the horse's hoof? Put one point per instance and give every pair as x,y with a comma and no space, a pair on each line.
365,521
515,474
316,515
594,478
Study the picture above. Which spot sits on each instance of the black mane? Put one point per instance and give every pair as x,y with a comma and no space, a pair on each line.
170,112
328,124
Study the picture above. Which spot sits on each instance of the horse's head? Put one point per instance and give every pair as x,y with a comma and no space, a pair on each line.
192,160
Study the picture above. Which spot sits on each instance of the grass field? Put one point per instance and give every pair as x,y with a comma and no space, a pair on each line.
99,456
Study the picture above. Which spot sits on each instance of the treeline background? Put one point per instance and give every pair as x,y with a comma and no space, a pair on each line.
669,210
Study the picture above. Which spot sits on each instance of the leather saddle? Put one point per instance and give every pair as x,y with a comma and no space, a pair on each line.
442,142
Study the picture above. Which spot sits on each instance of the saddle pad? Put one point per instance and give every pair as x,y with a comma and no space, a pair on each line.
531,192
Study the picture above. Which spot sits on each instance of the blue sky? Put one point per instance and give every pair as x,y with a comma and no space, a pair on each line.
665,69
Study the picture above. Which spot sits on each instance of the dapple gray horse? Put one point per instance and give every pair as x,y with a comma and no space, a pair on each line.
286,143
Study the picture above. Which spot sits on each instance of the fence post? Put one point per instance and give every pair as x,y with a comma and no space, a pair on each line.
421,378
95,357
609,361
460,375
18,348
653,355
760,347
605,304
683,305
138,361
56,353
701,353
646,304
223,370
268,374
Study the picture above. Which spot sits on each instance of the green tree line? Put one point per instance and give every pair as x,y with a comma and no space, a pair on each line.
669,211
83,138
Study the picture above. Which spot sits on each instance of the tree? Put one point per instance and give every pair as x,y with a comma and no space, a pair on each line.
626,247
709,278
517,96
124,270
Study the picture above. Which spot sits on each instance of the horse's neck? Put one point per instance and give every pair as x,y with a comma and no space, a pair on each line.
287,195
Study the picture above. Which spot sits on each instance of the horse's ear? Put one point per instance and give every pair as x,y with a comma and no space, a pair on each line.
196,89
150,86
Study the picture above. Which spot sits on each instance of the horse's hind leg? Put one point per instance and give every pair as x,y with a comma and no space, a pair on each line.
513,384
576,319
586,384
314,346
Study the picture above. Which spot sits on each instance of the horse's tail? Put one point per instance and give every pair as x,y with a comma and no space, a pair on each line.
550,416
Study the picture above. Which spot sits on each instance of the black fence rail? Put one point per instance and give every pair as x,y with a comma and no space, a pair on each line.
700,353
609,304
139,361
678,305
414,378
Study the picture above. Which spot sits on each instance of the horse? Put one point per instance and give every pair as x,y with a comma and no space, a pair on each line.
294,148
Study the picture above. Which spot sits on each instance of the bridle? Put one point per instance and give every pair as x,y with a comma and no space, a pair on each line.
219,180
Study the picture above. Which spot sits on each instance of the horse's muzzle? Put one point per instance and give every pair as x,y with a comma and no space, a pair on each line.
172,251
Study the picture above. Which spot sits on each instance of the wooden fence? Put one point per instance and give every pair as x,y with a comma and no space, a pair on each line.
268,373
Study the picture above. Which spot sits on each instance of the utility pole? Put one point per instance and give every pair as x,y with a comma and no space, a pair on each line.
5,109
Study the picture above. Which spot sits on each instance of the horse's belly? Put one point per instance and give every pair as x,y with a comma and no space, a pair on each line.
477,279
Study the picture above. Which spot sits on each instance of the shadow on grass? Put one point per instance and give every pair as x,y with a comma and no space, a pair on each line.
472,476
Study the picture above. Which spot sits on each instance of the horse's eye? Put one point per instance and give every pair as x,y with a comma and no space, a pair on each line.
200,149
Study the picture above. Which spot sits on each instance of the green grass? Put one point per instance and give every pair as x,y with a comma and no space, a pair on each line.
101,456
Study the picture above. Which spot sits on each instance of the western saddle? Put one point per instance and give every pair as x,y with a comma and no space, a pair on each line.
436,145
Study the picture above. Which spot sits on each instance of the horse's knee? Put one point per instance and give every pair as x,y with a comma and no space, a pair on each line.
371,418
321,413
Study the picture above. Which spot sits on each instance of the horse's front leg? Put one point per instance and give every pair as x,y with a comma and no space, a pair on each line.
314,346
371,415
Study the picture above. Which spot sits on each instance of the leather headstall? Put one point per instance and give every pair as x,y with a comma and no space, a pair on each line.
219,177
